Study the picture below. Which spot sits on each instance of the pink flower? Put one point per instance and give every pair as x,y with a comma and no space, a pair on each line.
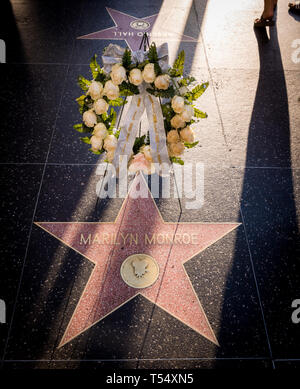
139,162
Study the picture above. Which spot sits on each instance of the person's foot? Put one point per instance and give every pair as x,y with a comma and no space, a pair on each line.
264,22
295,7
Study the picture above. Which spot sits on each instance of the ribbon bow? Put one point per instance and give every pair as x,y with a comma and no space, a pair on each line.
139,103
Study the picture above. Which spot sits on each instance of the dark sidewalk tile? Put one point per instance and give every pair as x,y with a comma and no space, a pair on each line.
66,146
39,32
70,365
220,203
206,364
270,206
19,188
286,364
29,100
69,194
50,279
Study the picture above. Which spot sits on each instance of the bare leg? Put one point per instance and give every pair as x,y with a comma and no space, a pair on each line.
268,9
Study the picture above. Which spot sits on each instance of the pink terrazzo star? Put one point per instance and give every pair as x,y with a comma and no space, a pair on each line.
139,228
131,29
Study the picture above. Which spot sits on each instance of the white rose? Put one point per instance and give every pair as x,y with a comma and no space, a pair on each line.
187,135
162,82
89,117
110,155
110,142
111,90
183,90
146,150
95,90
178,104
100,106
96,143
100,130
173,136
187,113
149,73
135,76
118,74
176,149
177,121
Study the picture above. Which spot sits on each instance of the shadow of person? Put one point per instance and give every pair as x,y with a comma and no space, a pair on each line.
9,32
295,15
268,213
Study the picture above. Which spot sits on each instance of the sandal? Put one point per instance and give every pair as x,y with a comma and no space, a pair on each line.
295,7
264,22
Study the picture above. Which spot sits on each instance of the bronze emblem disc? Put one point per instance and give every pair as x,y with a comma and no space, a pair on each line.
139,271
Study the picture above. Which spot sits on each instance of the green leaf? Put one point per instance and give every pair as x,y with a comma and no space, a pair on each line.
167,125
86,139
85,103
190,145
117,134
104,117
143,64
101,77
97,71
117,102
100,118
186,81
138,143
126,92
128,89
80,100
152,55
167,111
98,152
84,83
178,66
126,59
199,114
168,93
199,90
192,121
109,120
177,160
157,69
79,127
112,118
94,66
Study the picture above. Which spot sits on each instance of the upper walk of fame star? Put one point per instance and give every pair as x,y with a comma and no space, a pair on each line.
131,29
155,269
